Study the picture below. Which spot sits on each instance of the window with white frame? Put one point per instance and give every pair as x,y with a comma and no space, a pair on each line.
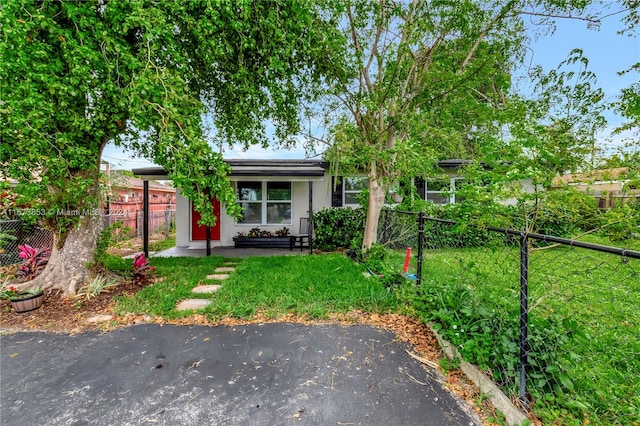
264,203
442,191
351,188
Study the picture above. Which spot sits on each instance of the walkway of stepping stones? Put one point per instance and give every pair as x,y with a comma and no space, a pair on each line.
219,274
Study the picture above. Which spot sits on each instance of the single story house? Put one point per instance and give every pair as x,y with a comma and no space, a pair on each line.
279,193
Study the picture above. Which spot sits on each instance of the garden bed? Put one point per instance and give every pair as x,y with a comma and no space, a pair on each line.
262,242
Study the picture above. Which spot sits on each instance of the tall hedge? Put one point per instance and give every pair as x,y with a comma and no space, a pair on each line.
338,227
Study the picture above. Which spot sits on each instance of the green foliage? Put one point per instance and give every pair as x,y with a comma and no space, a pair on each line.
98,285
470,228
485,336
376,261
104,242
338,227
426,81
583,323
621,223
77,75
163,244
6,238
118,265
564,213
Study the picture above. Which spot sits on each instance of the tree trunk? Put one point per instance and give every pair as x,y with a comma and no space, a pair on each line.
376,201
67,268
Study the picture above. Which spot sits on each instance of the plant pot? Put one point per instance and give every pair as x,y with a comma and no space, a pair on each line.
28,303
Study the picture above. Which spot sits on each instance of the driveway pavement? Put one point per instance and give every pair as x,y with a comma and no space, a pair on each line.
272,374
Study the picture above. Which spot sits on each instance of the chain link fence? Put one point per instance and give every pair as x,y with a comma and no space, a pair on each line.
13,232
554,322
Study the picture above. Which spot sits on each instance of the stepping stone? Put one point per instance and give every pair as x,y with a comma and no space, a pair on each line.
217,276
225,269
194,304
99,318
206,289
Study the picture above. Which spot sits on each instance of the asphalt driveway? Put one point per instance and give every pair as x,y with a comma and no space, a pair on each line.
272,374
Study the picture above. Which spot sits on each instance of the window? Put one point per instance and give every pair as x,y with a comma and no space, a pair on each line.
352,186
264,203
440,191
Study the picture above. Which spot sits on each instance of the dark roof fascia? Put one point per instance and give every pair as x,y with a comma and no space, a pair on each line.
159,171
453,163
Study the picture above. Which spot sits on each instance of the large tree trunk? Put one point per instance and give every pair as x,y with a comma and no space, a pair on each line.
376,201
68,269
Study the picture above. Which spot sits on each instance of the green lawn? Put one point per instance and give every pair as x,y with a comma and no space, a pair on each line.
314,286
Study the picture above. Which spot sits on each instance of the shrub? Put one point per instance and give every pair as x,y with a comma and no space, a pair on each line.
620,223
338,227
98,285
284,232
566,213
142,270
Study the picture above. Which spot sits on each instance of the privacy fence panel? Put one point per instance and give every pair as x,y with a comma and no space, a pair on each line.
130,223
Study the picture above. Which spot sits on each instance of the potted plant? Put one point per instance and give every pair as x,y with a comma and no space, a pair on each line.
22,300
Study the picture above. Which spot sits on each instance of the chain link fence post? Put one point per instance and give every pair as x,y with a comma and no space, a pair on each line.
524,302
420,247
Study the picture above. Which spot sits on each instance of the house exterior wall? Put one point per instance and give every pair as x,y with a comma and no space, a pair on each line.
229,228
183,220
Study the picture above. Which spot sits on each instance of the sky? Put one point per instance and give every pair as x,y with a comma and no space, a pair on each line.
607,51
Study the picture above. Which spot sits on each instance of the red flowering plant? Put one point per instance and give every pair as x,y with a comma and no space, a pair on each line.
33,263
142,270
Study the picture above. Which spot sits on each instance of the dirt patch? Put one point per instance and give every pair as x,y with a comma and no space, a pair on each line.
60,314
133,245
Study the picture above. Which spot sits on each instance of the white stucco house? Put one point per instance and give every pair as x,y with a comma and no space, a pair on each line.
278,193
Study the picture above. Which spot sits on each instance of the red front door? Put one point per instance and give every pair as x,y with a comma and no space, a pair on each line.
198,232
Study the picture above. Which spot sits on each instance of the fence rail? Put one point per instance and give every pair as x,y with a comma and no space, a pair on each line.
14,233
553,320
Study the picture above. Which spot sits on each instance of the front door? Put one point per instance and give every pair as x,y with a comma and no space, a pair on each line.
199,232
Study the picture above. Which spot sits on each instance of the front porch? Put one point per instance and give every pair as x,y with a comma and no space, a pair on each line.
274,195
226,252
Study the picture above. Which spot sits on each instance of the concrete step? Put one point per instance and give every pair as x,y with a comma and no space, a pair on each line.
224,269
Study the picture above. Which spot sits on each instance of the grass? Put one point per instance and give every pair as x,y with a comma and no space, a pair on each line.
594,295
311,286
163,244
